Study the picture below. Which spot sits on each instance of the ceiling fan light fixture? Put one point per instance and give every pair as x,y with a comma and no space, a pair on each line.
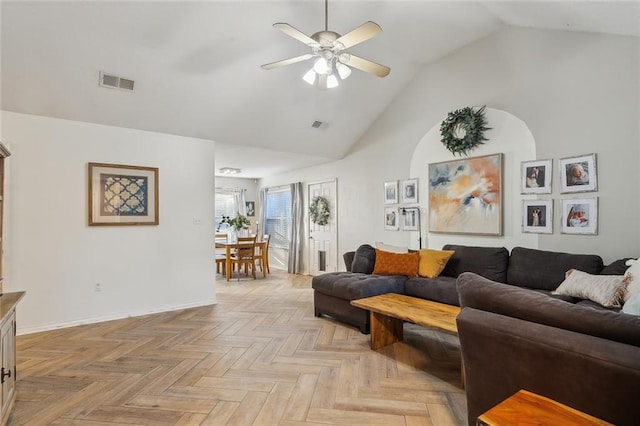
332,81
343,71
321,66
310,76
331,63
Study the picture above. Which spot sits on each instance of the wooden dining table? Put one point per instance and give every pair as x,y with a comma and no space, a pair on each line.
229,246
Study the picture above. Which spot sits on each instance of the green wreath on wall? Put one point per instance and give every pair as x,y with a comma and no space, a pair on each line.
319,211
463,130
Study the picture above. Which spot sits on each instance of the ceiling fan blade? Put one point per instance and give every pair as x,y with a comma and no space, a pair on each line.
286,61
364,65
364,32
295,33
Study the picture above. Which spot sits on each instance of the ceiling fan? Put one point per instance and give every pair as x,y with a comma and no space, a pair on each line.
332,62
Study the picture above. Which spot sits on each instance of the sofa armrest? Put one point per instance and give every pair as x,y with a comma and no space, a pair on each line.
348,259
477,292
502,355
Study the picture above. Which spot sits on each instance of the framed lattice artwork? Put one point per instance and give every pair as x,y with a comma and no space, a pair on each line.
122,195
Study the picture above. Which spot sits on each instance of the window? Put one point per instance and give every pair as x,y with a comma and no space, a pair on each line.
225,205
278,217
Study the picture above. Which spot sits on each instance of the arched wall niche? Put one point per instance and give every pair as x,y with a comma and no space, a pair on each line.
508,135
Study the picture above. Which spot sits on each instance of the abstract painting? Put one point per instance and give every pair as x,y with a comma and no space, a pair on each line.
465,196
122,195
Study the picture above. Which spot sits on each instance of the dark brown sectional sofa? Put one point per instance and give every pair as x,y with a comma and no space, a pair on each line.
534,269
514,333
512,338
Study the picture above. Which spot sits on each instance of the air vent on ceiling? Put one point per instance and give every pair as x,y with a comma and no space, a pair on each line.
316,124
114,82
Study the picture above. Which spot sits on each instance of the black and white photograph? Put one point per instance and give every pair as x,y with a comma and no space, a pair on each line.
578,174
251,208
537,216
391,192
391,222
580,216
409,219
536,177
410,191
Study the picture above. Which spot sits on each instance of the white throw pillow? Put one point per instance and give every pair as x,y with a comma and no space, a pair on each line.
633,273
607,290
392,249
632,306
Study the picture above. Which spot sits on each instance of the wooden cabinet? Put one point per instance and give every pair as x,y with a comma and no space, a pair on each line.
8,302
4,153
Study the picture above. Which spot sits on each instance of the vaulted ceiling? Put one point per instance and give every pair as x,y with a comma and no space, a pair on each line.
196,65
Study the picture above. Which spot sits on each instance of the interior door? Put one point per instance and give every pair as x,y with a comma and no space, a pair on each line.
323,239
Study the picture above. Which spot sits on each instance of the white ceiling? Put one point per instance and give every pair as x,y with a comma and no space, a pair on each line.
197,65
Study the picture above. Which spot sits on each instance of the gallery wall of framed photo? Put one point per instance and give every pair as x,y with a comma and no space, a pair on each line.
577,208
578,213
400,210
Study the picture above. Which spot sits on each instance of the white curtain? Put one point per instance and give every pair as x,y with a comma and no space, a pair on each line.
297,220
240,199
262,212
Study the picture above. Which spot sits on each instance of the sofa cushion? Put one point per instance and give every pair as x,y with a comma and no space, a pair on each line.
546,269
489,262
388,263
618,267
607,290
432,262
440,289
364,259
348,259
391,248
477,292
350,286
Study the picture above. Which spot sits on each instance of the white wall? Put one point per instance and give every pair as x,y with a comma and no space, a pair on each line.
577,93
53,255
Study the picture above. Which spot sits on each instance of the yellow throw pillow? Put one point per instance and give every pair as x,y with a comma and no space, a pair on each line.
388,263
432,262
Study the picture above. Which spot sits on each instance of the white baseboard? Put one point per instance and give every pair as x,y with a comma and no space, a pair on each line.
95,320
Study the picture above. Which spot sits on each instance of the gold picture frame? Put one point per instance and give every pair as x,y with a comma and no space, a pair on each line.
121,195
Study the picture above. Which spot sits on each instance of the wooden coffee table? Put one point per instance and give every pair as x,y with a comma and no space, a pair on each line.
528,408
390,311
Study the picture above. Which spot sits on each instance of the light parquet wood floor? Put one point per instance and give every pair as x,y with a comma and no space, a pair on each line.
258,357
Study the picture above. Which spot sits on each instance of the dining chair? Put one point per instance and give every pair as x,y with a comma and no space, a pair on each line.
262,255
245,256
221,256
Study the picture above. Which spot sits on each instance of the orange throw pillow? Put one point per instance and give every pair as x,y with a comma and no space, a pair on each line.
432,262
388,263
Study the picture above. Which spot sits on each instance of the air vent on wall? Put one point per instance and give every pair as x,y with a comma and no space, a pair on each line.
316,124
114,82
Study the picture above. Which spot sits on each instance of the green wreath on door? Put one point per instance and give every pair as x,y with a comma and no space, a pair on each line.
319,211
